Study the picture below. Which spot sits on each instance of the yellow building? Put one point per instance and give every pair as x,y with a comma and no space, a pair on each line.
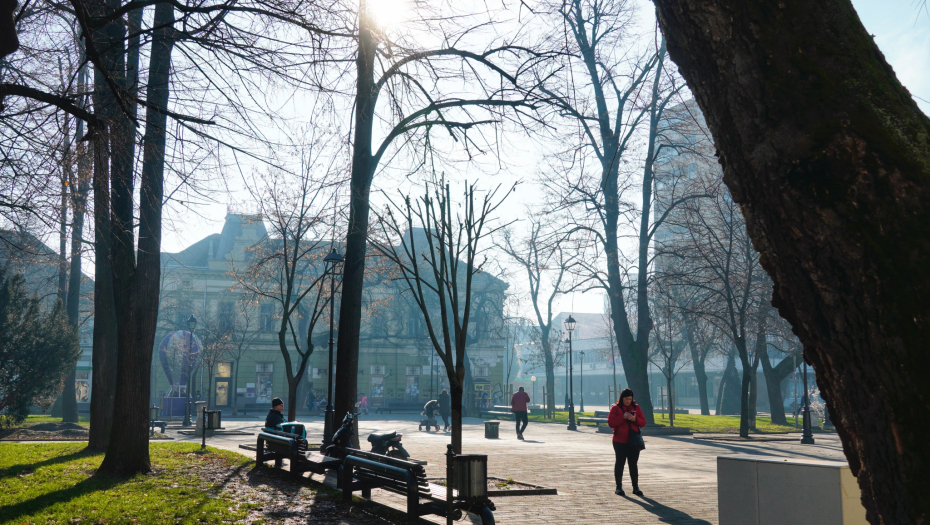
395,352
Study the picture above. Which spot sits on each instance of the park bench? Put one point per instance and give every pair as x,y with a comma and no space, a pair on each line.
278,446
364,471
400,406
600,417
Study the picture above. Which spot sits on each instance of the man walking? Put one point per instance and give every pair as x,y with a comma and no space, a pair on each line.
518,406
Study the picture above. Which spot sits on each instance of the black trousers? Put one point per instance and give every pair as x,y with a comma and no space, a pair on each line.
521,416
445,418
625,453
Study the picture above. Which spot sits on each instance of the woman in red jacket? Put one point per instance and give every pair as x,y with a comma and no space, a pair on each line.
625,416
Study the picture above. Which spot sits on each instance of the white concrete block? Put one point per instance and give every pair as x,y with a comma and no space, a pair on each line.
756,490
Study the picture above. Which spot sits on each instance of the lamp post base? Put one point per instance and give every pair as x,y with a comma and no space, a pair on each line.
807,437
571,418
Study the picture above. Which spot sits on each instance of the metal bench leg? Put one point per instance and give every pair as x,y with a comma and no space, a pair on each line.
366,493
347,483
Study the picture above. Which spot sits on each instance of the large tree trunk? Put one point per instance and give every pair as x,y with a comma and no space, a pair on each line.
773,386
698,355
137,275
550,379
108,40
728,397
69,412
829,157
350,307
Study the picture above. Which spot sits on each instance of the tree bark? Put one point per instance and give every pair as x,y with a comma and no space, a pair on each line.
829,157
773,387
109,40
350,307
137,274
698,355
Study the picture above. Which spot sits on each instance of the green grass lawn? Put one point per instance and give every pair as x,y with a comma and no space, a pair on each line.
35,419
697,423
54,483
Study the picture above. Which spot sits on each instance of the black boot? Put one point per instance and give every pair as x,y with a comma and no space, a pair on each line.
620,492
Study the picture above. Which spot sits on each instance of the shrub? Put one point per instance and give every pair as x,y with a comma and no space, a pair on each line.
37,350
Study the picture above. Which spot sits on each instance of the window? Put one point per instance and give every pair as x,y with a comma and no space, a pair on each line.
82,386
267,318
377,370
415,324
413,370
264,382
223,369
224,312
319,373
481,371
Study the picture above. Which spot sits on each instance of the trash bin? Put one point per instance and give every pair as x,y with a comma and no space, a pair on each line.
492,429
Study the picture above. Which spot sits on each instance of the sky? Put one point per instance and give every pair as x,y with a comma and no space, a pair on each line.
901,29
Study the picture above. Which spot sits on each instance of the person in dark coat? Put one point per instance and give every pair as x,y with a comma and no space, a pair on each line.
276,415
518,403
445,407
624,417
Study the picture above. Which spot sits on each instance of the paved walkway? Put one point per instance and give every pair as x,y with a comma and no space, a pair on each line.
677,474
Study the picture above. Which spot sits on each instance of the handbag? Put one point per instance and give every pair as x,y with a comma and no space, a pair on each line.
635,438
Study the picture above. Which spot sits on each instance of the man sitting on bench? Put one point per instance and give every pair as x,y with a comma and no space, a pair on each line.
276,415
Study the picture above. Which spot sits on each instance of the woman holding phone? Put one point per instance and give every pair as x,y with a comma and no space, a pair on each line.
626,417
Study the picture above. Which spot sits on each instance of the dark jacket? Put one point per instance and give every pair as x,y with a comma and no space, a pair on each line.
274,418
622,426
445,404
431,407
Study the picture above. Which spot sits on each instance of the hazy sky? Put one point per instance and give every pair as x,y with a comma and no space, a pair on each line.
901,29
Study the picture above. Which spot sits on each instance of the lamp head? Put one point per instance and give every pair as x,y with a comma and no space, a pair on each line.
570,323
192,323
333,258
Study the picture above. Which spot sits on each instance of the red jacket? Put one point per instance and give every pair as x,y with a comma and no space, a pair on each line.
622,426
518,401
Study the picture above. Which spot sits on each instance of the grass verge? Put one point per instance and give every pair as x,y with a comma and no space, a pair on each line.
36,419
56,483
696,422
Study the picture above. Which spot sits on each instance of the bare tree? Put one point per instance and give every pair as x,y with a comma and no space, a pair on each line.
668,353
545,263
417,98
287,268
242,334
439,269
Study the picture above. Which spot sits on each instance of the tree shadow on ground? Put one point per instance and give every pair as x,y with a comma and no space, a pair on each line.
16,470
666,514
95,483
755,451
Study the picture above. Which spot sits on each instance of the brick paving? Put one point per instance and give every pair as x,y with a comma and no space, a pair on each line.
678,474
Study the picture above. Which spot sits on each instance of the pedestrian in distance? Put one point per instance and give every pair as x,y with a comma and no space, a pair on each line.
518,403
626,419
276,415
445,408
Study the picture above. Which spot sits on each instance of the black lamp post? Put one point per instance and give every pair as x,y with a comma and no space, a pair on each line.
581,355
191,325
331,260
570,326
807,437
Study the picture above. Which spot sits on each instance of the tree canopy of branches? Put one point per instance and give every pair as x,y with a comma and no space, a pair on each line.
545,264
440,273
287,269
37,350
827,155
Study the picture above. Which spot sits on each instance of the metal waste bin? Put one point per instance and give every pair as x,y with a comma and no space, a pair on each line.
492,429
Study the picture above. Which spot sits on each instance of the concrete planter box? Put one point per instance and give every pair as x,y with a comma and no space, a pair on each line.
753,490
653,431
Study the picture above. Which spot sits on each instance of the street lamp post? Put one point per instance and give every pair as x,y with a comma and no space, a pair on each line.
581,355
191,325
570,326
331,261
807,437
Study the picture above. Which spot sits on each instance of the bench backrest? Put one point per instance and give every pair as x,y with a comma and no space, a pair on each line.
601,413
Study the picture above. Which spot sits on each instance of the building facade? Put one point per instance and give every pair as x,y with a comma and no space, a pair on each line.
396,360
